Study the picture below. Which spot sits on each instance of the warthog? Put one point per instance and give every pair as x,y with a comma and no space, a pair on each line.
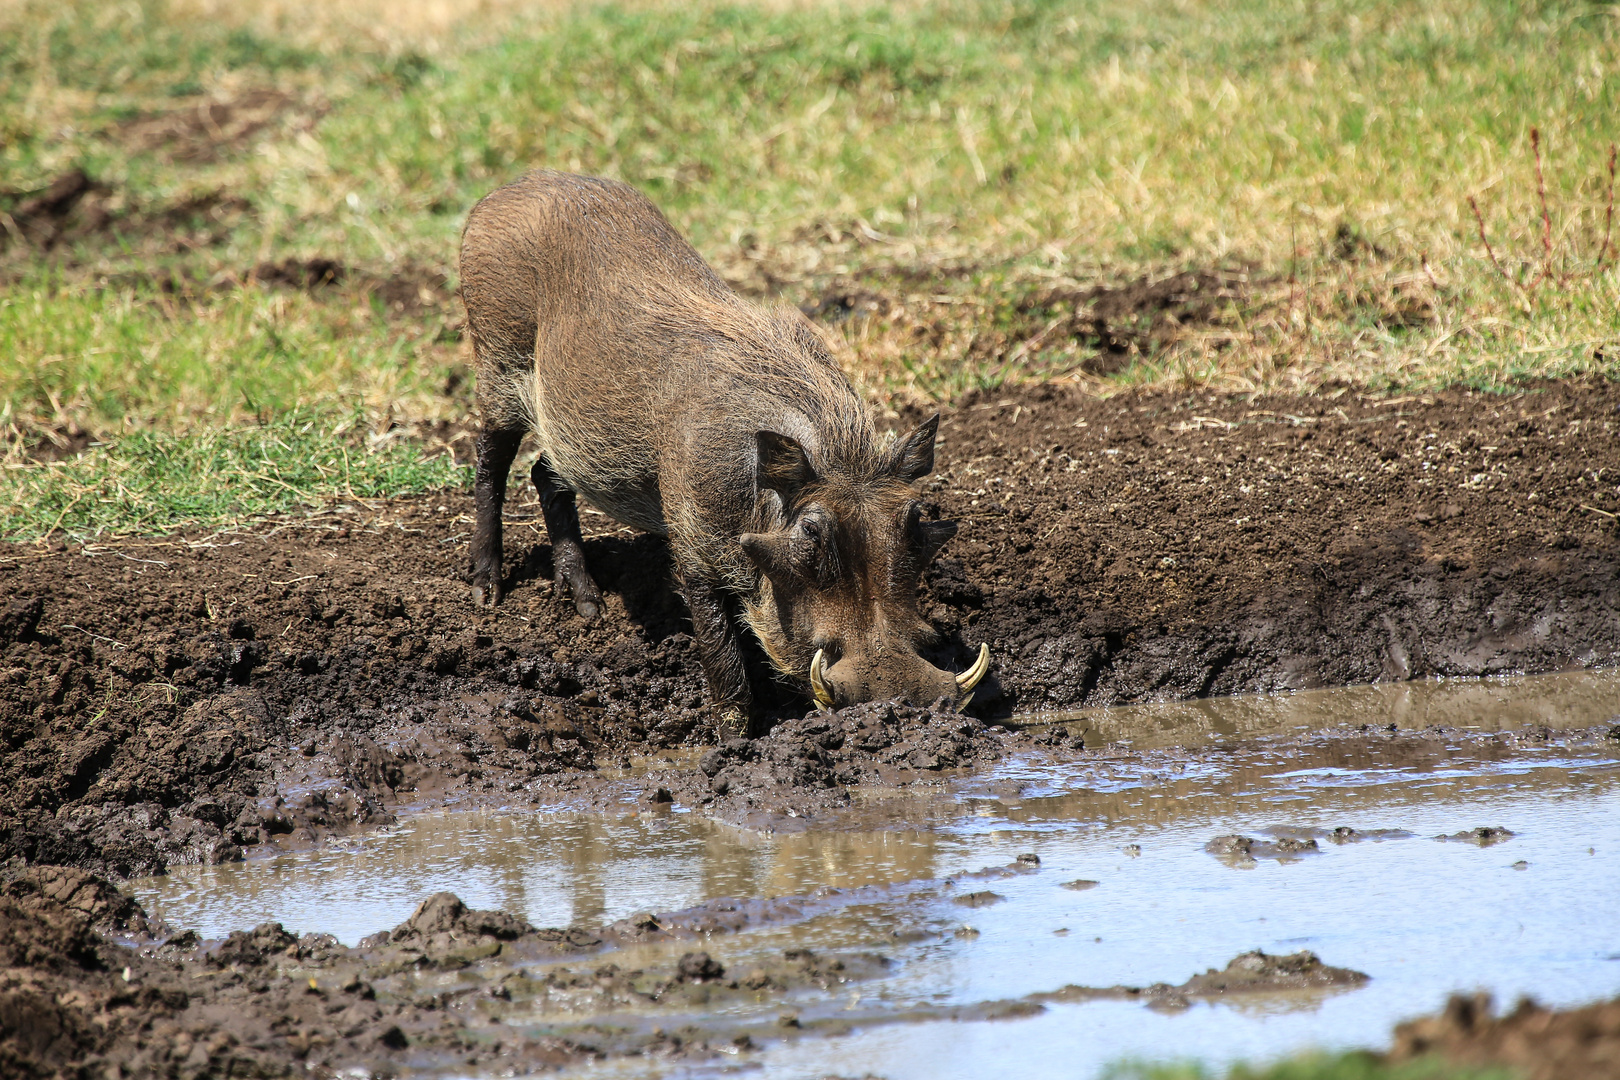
676,407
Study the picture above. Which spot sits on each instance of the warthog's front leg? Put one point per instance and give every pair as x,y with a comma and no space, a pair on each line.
567,545
496,450
720,649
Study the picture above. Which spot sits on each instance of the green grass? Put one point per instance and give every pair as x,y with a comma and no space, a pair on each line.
958,161
131,358
154,482
1352,1066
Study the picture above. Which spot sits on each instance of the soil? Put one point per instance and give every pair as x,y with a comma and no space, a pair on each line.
192,698
1535,1042
207,128
76,206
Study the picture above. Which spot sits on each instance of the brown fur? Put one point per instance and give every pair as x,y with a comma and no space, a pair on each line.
648,383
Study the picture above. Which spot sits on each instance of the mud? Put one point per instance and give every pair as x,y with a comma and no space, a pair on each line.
189,699
88,985
1535,1042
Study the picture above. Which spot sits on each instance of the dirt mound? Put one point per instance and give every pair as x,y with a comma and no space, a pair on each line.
1250,973
74,206
1138,317
208,128
804,767
1254,972
411,290
1536,1042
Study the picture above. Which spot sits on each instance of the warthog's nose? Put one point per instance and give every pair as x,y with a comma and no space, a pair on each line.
909,678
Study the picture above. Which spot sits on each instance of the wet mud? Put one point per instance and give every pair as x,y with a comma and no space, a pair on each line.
191,699
92,981
1535,1042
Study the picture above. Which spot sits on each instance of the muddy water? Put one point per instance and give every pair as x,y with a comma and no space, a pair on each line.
1569,700
1534,913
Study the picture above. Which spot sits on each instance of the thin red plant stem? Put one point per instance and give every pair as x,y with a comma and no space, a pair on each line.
1546,219
1479,221
1608,214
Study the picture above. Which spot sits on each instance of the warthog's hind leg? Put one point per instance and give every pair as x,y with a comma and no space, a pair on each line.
496,449
567,546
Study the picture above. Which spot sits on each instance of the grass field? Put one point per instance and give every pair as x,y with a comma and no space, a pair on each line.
213,215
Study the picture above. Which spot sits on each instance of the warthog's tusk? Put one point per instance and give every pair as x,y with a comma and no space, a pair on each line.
817,685
969,678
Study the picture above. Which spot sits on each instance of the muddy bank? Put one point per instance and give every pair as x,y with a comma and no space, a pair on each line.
185,699
451,988
1535,1042
90,981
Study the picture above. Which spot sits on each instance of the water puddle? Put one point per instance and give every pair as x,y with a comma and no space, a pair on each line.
1147,874
1566,700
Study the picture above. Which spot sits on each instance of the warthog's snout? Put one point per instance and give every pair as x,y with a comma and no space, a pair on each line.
908,678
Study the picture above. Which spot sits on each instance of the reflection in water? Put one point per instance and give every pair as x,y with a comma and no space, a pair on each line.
555,870
1565,700
1534,915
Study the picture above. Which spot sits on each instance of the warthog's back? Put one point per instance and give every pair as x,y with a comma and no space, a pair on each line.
635,365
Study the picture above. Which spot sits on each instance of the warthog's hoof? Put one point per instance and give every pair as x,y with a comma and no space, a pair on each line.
587,597
487,594
731,723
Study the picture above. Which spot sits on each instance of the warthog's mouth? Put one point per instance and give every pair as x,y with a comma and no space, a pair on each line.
965,681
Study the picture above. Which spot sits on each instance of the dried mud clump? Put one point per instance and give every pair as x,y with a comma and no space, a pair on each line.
1535,1042
1255,971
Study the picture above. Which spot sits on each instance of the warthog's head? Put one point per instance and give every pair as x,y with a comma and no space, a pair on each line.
841,549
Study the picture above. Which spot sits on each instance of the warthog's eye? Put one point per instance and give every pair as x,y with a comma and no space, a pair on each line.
815,553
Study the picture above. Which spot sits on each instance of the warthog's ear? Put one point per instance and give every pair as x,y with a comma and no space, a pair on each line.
913,456
931,536
783,465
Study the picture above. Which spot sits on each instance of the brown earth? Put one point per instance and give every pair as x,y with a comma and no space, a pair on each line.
1537,1043
186,699
209,127
76,206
